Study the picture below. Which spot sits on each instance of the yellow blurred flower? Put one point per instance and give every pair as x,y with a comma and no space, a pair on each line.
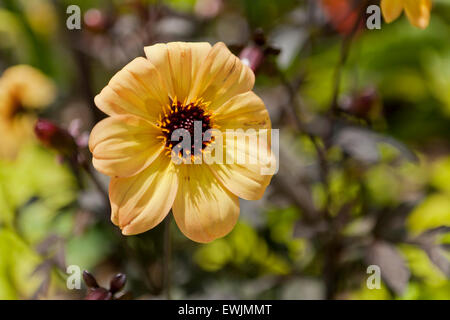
417,11
177,84
41,15
22,89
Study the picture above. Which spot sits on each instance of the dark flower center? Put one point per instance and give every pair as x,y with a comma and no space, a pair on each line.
187,117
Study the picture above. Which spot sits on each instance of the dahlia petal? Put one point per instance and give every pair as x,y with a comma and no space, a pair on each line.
178,62
391,9
150,80
243,111
203,209
123,146
180,57
141,202
158,55
418,12
200,51
247,166
136,89
221,76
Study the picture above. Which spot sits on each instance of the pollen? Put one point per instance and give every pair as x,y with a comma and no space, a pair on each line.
179,115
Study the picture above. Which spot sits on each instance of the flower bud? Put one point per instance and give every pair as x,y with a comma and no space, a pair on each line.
95,20
252,56
98,294
55,137
89,280
363,104
117,283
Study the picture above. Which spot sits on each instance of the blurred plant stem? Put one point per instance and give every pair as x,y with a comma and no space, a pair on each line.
291,108
333,242
167,256
88,169
344,53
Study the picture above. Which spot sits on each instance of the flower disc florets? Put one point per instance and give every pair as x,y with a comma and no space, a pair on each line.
179,115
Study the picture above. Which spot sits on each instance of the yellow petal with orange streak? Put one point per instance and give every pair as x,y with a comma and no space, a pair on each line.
203,209
178,63
137,89
141,202
221,76
247,167
123,146
243,111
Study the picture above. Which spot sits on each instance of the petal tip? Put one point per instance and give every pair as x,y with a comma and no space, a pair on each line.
128,230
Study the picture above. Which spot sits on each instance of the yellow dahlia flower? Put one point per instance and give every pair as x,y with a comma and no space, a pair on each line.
176,85
417,11
22,89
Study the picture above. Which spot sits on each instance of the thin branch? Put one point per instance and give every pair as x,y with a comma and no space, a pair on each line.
291,109
167,256
343,57
88,169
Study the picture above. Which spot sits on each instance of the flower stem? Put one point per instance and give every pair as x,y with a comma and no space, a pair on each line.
96,182
343,57
167,256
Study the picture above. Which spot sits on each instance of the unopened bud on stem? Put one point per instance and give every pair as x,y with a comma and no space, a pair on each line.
89,280
252,56
55,137
117,283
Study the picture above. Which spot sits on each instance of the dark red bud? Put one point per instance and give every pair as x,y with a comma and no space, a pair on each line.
55,137
362,104
95,20
252,56
89,280
117,283
45,131
98,294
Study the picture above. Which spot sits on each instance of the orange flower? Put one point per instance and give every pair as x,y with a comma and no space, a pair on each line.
343,14
22,90
417,11
149,99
